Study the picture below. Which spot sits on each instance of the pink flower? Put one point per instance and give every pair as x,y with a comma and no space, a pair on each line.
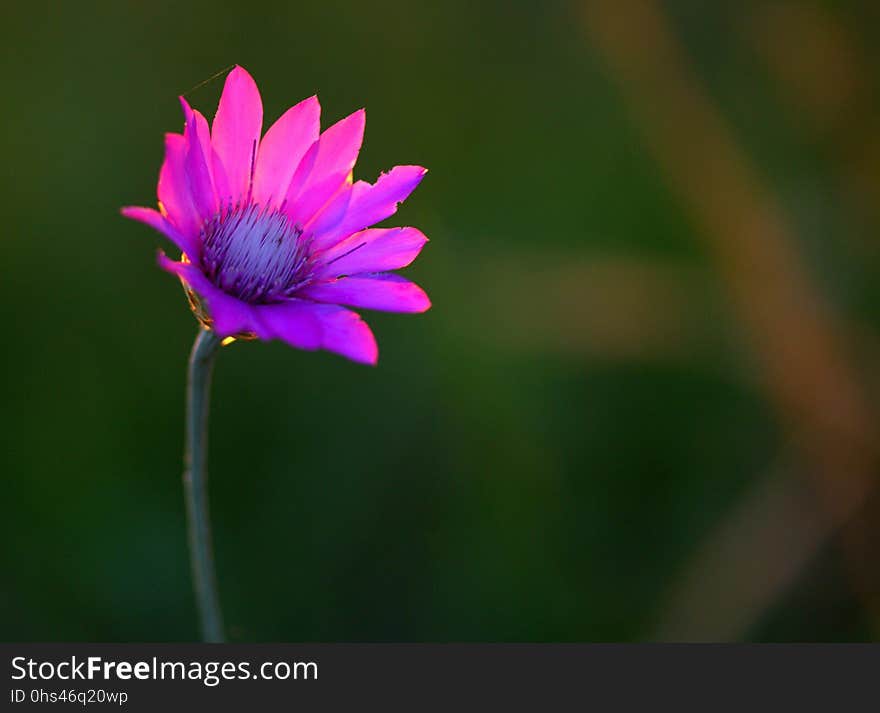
274,232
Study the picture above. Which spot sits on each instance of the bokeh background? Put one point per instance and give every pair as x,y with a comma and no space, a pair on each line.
643,406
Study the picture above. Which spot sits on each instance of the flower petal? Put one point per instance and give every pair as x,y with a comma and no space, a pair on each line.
309,325
300,176
371,203
235,132
326,167
159,222
372,250
282,149
196,162
221,182
229,315
330,215
383,291
173,189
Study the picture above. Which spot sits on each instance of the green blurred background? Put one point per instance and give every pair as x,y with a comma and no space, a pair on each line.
643,405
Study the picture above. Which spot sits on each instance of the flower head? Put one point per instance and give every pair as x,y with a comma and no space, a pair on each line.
274,231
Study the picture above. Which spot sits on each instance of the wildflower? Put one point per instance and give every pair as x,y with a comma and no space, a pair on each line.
275,235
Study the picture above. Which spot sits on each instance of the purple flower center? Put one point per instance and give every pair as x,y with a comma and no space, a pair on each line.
255,254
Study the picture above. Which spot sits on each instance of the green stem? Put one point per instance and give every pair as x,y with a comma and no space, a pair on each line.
201,363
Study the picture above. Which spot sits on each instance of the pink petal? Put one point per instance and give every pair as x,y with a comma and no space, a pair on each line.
225,198
372,250
230,316
329,162
198,170
282,149
173,189
331,214
385,291
157,221
371,203
308,325
295,322
236,130
301,176
345,333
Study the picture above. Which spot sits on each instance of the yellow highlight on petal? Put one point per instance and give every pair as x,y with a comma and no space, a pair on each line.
228,340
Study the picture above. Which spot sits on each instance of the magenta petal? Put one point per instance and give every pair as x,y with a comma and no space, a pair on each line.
385,291
229,315
309,325
372,250
334,157
331,214
235,132
301,176
186,271
173,189
295,322
221,182
198,170
282,149
159,222
345,333
371,203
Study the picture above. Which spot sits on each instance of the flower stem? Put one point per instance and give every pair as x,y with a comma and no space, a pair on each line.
201,364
